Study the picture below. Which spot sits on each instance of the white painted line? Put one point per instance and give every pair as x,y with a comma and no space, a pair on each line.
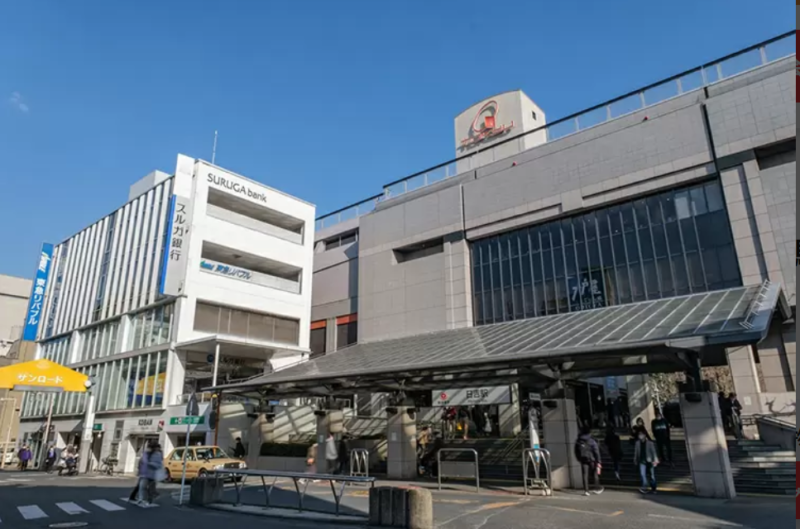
107,505
712,521
31,512
71,508
142,505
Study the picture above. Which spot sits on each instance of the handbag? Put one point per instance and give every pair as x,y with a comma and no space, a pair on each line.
161,475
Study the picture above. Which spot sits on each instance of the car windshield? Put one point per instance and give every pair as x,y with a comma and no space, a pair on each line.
211,453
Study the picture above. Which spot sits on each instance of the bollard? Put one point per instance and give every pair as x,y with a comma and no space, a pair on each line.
205,490
375,506
386,506
399,507
402,508
419,509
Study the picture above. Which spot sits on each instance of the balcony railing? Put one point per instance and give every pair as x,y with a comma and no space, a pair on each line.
697,78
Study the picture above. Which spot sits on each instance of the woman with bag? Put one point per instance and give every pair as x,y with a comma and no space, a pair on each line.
155,472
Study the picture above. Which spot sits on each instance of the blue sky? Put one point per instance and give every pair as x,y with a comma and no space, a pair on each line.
326,100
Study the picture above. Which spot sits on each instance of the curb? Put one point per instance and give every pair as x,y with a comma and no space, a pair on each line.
289,514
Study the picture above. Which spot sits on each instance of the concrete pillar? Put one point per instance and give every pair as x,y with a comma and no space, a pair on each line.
401,434
560,425
328,422
262,430
774,363
745,380
509,415
639,402
706,446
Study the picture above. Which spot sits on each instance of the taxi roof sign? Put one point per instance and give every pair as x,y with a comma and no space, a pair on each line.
42,375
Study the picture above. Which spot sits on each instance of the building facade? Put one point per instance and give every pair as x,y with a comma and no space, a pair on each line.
203,276
682,187
14,293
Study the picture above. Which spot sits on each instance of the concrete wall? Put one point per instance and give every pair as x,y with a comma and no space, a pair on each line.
14,292
661,147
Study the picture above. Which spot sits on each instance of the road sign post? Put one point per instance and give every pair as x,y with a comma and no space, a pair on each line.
192,412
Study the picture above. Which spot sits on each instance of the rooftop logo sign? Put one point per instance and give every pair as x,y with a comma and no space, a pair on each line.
235,187
484,126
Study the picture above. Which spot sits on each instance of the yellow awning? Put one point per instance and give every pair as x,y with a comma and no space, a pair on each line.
42,375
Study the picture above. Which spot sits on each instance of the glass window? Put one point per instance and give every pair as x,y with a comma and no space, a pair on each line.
346,334
664,245
287,331
317,341
714,198
206,318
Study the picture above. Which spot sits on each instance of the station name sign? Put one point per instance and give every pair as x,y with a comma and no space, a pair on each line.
235,187
476,396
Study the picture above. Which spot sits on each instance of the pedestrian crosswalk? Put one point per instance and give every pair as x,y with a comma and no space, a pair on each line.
71,508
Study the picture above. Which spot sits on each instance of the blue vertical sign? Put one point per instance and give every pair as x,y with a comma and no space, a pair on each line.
36,303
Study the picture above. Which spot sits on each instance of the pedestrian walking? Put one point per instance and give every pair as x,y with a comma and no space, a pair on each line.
50,459
614,447
725,411
239,451
311,461
638,428
139,492
423,439
662,434
24,457
645,456
735,415
588,454
344,455
155,472
331,455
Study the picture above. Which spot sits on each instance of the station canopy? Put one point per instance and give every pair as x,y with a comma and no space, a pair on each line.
643,337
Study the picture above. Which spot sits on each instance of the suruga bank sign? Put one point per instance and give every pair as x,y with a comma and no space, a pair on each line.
233,186
494,120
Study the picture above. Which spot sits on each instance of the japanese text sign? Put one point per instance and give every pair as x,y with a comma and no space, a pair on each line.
42,374
36,304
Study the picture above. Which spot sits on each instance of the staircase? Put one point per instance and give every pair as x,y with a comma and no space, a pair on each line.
762,469
676,477
757,467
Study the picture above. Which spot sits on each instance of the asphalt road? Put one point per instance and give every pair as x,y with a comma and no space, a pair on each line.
33,500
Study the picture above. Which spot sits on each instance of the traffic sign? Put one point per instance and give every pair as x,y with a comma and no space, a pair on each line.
192,419
192,408
42,375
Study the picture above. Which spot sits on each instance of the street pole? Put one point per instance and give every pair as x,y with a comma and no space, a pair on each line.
86,435
6,403
185,453
192,410
46,437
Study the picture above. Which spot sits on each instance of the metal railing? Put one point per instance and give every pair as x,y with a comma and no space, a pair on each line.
359,462
534,458
440,472
697,78
350,212
300,479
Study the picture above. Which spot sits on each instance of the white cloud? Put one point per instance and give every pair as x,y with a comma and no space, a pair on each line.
17,101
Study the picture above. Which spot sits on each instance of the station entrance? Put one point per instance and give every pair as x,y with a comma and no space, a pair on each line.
550,362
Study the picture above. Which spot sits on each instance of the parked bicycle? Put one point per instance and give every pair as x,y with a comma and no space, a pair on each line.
108,466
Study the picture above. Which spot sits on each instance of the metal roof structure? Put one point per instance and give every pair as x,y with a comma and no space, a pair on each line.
605,338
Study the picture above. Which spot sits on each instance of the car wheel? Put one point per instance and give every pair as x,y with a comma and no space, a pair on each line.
167,476
202,473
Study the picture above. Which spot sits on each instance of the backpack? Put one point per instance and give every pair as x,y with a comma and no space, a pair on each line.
583,451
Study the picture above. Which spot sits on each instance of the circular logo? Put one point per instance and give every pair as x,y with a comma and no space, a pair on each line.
443,396
489,109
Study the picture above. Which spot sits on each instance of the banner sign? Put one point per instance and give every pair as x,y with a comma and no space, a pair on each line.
477,396
36,303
